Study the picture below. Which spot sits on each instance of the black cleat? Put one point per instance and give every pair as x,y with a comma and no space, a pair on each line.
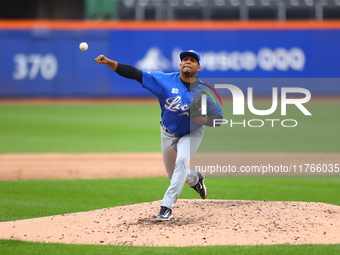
164,214
200,187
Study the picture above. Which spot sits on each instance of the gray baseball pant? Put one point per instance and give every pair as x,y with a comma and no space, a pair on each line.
176,153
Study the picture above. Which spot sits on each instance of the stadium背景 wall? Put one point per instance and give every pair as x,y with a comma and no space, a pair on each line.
42,58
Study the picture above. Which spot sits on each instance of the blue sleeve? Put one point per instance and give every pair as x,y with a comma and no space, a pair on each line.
152,81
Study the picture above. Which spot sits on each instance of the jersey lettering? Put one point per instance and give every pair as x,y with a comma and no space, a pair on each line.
174,104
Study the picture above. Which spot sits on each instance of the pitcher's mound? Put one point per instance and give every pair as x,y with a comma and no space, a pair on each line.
195,222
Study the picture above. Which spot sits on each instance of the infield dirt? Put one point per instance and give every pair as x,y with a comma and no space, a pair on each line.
196,222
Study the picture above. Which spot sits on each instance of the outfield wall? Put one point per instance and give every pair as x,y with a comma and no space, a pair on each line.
42,58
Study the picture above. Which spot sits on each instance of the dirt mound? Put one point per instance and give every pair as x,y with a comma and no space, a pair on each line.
195,222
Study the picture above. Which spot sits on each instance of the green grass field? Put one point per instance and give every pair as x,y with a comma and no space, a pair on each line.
30,198
316,133
113,128
102,128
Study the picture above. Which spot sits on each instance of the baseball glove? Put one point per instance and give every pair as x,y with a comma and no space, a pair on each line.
195,108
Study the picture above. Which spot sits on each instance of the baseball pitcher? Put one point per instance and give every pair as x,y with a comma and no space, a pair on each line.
181,127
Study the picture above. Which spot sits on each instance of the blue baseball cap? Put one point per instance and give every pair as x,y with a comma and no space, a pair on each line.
192,53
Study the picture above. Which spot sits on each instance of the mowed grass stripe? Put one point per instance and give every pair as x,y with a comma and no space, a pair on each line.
135,128
35,198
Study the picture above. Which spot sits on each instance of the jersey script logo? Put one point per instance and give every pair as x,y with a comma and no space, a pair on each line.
174,104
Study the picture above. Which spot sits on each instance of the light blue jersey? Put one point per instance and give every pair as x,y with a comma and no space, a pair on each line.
174,99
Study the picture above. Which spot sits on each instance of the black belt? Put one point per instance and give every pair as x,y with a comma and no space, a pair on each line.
169,132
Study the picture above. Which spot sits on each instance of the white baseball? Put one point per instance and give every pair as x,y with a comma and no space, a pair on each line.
83,46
